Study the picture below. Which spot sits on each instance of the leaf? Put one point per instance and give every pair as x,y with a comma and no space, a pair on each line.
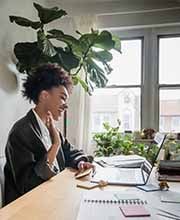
75,80
71,41
45,44
117,45
47,15
28,55
106,125
90,86
87,40
66,59
25,22
102,56
96,74
78,32
107,68
83,83
105,41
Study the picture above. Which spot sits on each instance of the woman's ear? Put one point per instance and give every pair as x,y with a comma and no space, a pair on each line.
43,96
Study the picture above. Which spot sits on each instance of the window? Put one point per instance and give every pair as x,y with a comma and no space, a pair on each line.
122,97
143,90
169,110
169,83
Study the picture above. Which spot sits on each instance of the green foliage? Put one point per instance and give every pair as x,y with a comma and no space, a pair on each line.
112,142
89,51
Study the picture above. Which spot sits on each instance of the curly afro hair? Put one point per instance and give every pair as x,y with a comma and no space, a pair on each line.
45,77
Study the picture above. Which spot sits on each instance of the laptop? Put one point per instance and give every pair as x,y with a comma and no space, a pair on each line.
131,176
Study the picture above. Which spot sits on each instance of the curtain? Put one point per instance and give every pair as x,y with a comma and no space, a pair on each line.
79,111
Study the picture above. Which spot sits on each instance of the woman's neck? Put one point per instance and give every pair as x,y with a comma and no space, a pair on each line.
41,113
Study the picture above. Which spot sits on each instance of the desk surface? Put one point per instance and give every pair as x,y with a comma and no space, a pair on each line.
56,199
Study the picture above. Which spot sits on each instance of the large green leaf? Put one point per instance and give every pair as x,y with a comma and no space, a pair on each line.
66,59
96,74
102,56
28,55
71,41
25,22
45,44
47,15
87,40
105,41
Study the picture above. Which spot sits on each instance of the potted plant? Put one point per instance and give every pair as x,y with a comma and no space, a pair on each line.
113,142
90,51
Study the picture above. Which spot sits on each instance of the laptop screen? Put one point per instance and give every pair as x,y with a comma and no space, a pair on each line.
152,154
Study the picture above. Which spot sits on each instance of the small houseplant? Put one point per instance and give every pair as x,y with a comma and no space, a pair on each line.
113,142
90,51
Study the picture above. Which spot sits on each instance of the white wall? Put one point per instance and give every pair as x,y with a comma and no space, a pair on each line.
111,14
13,106
124,13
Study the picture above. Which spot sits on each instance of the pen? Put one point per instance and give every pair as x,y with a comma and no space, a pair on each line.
93,173
100,164
168,216
169,213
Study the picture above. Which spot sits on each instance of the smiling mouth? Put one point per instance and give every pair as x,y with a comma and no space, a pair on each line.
61,110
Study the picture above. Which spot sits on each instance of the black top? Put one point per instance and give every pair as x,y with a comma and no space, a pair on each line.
26,158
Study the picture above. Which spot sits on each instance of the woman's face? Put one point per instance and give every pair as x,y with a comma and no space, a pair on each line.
56,101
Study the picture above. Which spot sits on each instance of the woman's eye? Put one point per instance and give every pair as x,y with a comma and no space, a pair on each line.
62,98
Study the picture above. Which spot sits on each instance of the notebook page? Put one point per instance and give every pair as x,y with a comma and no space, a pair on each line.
105,205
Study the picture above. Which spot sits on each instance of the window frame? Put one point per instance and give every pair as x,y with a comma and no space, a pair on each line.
157,34
140,86
150,86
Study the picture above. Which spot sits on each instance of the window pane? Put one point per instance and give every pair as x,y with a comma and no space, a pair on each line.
169,110
127,66
108,105
169,64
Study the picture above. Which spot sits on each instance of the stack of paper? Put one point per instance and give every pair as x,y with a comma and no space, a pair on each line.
120,161
169,170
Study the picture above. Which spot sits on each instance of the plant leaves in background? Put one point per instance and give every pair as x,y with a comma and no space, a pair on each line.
90,51
27,54
45,44
87,40
25,22
96,74
117,45
47,15
102,56
78,79
105,41
71,41
66,59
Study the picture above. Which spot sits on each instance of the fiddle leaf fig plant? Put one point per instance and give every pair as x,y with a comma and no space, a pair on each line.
91,52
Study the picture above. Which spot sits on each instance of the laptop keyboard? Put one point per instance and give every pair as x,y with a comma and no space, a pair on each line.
130,175
119,175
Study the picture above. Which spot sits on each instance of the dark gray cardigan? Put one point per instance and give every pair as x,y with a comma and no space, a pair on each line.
26,158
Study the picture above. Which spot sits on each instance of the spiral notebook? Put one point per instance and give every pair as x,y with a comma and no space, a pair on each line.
111,205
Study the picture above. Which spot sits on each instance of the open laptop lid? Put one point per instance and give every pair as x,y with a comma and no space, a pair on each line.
152,155
137,176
